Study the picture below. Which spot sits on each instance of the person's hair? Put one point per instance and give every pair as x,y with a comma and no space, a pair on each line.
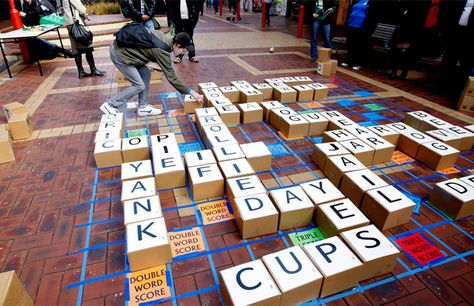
182,39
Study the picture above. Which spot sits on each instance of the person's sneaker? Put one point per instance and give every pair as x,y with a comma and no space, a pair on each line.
108,109
344,64
177,60
194,59
149,111
356,68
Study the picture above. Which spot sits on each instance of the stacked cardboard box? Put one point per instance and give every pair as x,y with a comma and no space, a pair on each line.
326,66
466,102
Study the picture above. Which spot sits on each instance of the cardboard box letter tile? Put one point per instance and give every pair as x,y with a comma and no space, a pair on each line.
206,182
12,291
322,151
294,206
147,244
20,126
255,215
136,170
363,152
454,197
135,148
335,217
244,186
199,158
322,191
108,153
249,284
317,123
383,149
336,166
236,168
229,152
258,155
297,278
229,114
356,183
294,126
269,105
169,172
437,155
136,189
387,207
14,108
386,133
339,266
251,112
377,253
142,209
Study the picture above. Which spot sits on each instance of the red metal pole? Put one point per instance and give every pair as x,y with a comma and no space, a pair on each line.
238,11
17,24
220,7
299,34
264,14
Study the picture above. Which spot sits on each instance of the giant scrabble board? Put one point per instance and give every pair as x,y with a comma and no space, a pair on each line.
284,192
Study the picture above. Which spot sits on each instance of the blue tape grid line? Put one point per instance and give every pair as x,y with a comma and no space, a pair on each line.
86,243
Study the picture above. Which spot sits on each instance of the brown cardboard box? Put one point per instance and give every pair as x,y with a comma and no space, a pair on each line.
190,104
379,259
387,207
284,94
304,92
324,54
20,126
333,66
206,182
469,89
150,248
466,103
324,68
6,150
454,197
437,155
14,108
155,75
108,153
294,126
12,291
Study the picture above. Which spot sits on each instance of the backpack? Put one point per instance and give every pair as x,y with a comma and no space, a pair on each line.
136,35
125,8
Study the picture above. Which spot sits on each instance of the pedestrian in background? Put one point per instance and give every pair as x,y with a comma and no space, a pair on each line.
74,11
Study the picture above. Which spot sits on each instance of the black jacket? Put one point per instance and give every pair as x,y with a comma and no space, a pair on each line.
33,13
135,9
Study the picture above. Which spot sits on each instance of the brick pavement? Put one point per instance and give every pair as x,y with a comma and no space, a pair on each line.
43,229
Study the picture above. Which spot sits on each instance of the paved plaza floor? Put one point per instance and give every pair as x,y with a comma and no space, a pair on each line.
61,218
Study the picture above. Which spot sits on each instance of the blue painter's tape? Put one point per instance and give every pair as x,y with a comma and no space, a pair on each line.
373,116
416,199
277,149
317,139
363,93
366,123
186,147
345,102
168,95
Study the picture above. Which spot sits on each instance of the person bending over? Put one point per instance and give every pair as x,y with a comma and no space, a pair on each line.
131,57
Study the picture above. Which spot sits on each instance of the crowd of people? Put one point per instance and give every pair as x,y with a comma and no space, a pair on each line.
421,27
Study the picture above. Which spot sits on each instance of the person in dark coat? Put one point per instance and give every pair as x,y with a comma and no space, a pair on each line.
185,19
142,11
457,21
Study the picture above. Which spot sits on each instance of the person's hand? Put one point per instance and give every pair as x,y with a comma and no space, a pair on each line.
315,15
330,10
145,17
22,14
196,96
